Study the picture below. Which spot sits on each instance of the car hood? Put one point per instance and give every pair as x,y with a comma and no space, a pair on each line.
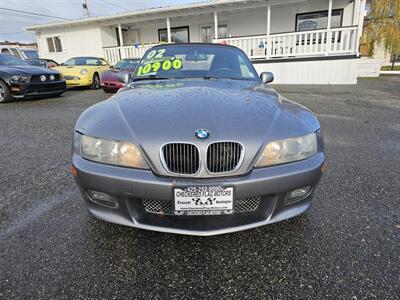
153,113
71,70
27,70
113,74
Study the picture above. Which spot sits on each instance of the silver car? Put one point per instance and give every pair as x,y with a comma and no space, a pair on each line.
197,143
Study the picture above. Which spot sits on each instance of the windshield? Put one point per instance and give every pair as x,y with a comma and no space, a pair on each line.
82,61
127,64
15,52
40,63
9,60
195,61
30,53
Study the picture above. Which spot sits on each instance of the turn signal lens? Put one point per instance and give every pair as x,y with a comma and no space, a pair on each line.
102,198
297,194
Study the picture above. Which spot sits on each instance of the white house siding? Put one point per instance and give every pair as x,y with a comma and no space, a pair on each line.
108,36
338,71
75,41
90,39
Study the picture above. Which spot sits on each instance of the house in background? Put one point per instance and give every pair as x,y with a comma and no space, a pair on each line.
300,41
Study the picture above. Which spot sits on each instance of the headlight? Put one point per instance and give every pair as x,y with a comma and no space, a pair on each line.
288,150
83,72
112,152
19,79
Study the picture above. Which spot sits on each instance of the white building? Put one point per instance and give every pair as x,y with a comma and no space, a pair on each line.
300,41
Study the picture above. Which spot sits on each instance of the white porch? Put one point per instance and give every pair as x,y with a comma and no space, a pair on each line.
250,19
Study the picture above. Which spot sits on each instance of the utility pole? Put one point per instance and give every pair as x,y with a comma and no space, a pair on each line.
86,13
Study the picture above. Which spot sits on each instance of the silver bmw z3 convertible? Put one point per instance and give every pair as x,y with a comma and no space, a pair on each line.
197,143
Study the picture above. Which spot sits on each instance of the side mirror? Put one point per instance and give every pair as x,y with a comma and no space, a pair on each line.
124,77
267,77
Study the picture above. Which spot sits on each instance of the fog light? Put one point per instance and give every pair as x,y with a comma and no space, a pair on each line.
102,198
297,194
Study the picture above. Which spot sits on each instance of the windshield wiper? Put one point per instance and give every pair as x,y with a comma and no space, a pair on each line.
216,77
151,77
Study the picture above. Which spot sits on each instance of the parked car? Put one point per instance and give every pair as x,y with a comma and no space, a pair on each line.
19,52
20,80
198,144
42,62
109,79
83,71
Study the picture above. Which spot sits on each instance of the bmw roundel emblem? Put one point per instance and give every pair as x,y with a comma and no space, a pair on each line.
202,134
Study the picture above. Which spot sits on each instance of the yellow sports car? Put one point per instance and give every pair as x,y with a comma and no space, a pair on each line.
83,71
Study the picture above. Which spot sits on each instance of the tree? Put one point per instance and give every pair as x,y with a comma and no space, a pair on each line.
383,27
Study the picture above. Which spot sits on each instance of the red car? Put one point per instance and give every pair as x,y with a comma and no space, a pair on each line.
109,79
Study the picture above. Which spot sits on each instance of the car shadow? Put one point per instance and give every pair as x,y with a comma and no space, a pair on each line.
145,255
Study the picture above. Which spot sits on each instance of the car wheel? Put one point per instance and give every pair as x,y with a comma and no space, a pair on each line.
95,82
5,94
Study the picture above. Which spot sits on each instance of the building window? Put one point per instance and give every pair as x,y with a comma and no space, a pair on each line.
222,31
54,44
207,33
178,34
318,20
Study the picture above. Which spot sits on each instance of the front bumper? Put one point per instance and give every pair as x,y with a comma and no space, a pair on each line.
78,80
131,186
28,90
111,86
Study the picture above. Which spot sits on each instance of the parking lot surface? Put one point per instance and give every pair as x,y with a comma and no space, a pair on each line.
347,246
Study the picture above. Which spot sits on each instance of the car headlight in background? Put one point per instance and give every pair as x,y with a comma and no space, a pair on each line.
288,150
83,72
112,152
19,79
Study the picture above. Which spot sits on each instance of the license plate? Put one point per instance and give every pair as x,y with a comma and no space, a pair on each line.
204,200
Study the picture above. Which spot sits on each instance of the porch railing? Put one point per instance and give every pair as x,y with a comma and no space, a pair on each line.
294,44
114,54
336,41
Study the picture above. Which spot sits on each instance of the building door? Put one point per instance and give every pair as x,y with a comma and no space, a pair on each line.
206,34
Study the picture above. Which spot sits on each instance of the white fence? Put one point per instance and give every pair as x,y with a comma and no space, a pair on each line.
114,54
305,43
335,41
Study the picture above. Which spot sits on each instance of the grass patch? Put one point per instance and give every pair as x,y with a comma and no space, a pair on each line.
389,68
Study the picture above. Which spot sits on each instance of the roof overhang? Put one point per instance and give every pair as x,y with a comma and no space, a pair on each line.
163,12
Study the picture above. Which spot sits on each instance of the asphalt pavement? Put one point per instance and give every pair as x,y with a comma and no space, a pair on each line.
346,247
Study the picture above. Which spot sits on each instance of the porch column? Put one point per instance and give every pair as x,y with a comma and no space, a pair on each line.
361,15
268,42
169,30
216,25
328,29
356,12
121,40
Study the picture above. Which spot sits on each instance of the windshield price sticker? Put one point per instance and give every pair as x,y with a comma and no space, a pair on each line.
149,68
156,54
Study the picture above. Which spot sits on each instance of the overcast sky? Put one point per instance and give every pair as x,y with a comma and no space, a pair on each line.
12,23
